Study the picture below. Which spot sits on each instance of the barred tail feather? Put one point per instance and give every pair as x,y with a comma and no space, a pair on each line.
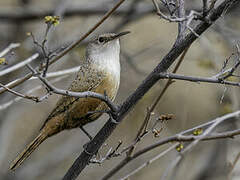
28,151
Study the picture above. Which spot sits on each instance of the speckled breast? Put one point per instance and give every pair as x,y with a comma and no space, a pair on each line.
85,110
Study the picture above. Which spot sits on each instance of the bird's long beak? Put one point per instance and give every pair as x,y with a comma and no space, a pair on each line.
119,35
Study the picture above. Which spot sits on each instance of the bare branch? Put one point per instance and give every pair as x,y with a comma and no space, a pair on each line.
9,48
183,20
149,162
34,98
60,73
85,94
29,76
233,165
16,82
87,33
170,19
9,103
198,79
19,65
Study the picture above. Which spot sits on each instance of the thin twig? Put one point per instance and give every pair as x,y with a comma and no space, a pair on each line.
172,164
170,19
33,98
85,94
149,162
9,103
194,143
85,132
9,48
184,22
87,33
18,65
16,82
233,165
197,79
60,73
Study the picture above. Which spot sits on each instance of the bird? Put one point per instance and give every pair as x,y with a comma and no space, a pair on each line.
100,73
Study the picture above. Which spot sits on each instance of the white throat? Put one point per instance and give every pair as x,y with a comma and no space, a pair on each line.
106,58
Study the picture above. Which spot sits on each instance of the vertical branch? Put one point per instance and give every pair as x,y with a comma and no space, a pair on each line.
205,8
181,24
58,12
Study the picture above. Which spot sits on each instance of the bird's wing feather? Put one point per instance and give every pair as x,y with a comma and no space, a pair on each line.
87,79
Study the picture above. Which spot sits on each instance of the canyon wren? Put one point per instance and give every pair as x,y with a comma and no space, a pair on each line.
100,73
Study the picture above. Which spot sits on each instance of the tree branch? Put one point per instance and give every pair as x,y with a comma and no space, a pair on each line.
180,137
92,147
34,98
149,162
19,65
65,51
197,79
85,94
9,103
9,48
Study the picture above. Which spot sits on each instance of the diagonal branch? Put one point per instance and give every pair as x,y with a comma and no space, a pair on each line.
147,163
9,103
82,161
143,129
34,98
18,65
9,48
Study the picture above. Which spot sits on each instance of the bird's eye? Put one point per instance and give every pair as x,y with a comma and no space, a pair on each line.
101,39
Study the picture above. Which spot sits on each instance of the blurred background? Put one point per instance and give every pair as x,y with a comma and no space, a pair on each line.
150,39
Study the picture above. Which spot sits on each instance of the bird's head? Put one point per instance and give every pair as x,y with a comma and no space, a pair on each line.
105,45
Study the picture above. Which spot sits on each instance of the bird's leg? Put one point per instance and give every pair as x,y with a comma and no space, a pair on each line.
85,132
90,137
88,115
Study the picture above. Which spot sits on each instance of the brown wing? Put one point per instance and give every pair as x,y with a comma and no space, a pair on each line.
78,112
87,79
